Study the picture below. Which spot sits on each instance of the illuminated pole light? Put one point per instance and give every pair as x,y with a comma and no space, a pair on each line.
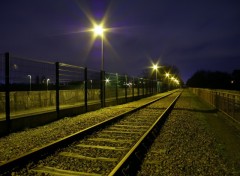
176,81
167,75
47,82
30,82
155,67
107,80
99,31
172,79
91,84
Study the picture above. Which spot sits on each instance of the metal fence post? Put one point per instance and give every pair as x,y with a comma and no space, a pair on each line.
138,86
85,89
7,91
152,87
125,88
146,87
133,88
57,90
102,85
104,89
234,105
117,88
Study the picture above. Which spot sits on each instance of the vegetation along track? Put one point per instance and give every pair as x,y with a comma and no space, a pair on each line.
113,147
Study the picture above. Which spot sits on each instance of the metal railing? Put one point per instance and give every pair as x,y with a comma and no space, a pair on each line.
31,86
226,101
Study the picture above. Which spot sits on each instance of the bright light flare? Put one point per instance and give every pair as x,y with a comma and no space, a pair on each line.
98,30
167,75
155,67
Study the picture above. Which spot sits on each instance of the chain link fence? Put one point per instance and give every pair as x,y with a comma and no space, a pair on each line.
29,87
71,85
226,101
2,86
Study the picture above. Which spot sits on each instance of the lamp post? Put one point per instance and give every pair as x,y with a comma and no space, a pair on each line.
173,80
47,82
30,82
99,31
155,67
91,84
167,76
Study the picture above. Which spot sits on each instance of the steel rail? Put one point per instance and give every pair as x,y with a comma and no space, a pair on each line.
132,160
39,153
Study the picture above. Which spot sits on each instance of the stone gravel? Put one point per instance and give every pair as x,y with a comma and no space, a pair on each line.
103,160
17,144
185,146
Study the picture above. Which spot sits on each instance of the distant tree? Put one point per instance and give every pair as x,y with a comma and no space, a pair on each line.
208,79
236,79
198,79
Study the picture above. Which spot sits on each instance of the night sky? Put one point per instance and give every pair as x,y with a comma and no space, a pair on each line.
190,34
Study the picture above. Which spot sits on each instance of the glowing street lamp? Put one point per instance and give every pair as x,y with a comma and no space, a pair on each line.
107,80
172,78
155,67
176,81
99,31
91,83
167,75
47,82
30,82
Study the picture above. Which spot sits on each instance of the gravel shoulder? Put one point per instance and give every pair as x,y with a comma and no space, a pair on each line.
195,140
225,130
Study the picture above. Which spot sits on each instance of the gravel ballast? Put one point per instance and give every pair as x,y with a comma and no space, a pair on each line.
17,144
187,145
96,157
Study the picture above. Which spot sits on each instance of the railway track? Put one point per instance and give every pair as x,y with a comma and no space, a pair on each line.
113,147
